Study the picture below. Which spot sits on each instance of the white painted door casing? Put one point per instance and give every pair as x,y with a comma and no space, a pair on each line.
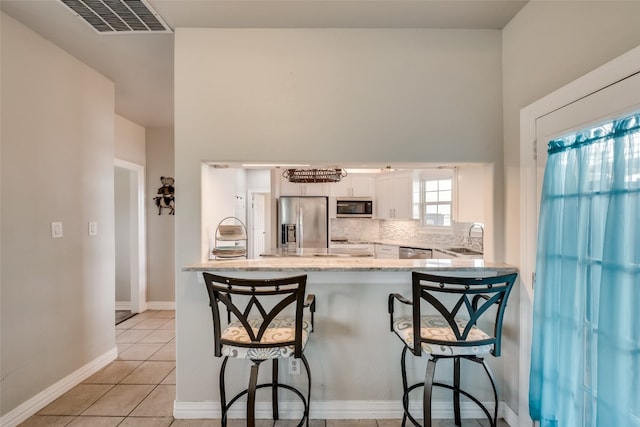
608,92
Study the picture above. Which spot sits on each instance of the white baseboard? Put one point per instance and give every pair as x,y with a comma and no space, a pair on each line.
340,410
161,305
509,416
149,305
51,393
123,305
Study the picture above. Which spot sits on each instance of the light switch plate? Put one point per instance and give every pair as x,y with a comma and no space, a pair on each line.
56,230
93,228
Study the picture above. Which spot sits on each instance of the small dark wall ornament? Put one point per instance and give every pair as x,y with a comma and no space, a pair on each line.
165,198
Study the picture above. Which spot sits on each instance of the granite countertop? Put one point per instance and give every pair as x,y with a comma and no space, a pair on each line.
412,244
317,252
403,243
347,264
407,244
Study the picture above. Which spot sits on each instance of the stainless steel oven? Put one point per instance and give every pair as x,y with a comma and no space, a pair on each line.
354,207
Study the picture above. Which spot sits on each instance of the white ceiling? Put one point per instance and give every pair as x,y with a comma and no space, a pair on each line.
141,65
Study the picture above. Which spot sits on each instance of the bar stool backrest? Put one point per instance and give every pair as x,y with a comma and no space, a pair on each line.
461,297
256,299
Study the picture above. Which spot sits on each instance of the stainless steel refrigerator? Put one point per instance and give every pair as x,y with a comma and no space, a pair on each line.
303,222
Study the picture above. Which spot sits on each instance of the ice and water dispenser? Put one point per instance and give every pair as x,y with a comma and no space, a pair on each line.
288,239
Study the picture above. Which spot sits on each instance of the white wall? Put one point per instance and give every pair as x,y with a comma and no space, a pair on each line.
225,191
129,141
319,95
57,134
332,94
259,180
547,45
160,228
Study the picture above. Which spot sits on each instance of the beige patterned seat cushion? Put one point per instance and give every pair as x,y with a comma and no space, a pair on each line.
435,327
278,331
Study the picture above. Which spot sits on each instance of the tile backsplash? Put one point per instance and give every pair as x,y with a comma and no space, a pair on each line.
358,229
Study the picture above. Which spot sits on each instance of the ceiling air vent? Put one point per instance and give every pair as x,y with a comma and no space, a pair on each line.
118,16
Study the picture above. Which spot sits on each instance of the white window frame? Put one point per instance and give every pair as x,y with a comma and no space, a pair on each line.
437,175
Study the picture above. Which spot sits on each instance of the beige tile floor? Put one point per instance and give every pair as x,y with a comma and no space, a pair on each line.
138,389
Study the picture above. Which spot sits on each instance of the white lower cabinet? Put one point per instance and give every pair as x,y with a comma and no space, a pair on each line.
438,254
352,246
387,251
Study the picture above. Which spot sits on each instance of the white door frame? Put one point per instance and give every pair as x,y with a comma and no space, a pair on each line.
267,227
138,241
600,78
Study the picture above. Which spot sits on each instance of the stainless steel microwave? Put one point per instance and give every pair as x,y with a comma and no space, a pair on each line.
354,207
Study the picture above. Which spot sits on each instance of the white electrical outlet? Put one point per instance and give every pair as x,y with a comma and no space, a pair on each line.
56,230
294,366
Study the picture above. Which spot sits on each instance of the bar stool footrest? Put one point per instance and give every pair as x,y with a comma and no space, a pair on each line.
405,402
270,385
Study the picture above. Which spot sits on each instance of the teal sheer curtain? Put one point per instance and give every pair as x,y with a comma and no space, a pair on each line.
585,361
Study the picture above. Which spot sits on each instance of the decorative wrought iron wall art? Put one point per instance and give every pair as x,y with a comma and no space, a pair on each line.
166,198
314,175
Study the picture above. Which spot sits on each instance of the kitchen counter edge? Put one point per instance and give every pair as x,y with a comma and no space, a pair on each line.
348,264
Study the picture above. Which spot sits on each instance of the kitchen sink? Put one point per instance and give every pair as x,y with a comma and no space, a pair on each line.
353,254
464,251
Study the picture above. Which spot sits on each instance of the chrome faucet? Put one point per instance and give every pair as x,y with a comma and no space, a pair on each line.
476,225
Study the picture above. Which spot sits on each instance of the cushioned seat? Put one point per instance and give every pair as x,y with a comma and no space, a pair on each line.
445,313
437,328
279,331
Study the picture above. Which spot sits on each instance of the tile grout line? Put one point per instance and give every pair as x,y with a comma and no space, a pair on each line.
120,382
155,386
130,419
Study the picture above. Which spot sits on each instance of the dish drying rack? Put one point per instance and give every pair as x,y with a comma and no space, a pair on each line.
230,230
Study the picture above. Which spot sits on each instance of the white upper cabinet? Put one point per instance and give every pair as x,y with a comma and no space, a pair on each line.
360,185
384,194
394,195
303,189
289,188
354,186
473,187
315,189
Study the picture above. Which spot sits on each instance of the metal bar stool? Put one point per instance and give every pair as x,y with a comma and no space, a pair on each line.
264,321
445,319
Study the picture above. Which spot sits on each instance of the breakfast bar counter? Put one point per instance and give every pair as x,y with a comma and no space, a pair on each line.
353,356
349,264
